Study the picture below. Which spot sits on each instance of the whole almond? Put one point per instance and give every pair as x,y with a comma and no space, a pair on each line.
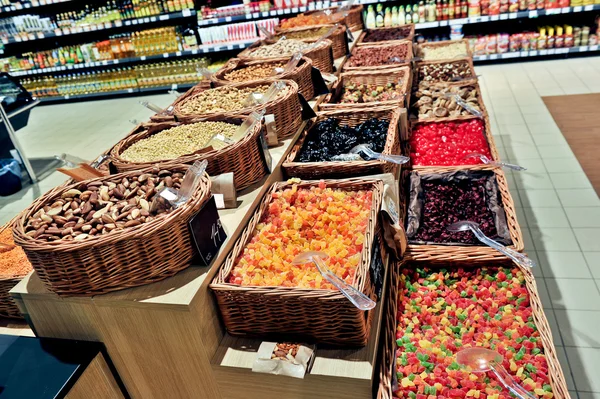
132,223
86,227
54,211
71,193
81,237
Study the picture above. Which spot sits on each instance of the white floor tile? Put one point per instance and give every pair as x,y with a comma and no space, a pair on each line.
554,239
555,151
573,294
539,198
584,216
579,197
593,262
579,327
562,165
588,238
546,217
570,180
563,264
533,181
585,363
564,364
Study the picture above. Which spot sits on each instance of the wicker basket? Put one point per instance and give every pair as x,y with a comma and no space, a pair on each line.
167,115
244,158
488,136
321,56
132,257
346,67
401,76
363,35
316,314
351,117
469,83
338,37
354,18
466,54
286,109
302,74
390,323
468,61
460,253
8,307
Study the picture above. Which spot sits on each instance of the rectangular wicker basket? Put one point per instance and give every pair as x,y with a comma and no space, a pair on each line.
341,169
468,76
346,67
321,315
468,83
423,46
389,346
458,253
363,35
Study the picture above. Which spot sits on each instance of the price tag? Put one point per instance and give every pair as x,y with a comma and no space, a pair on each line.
311,6
482,57
135,21
524,54
105,62
31,36
566,10
562,50
186,13
77,66
146,20
510,55
127,23
29,72
543,52
279,12
512,15
195,51
205,50
248,16
152,19
143,58
503,17
577,9
227,19
493,56
174,86
426,25
129,90
473,20
17,39
5,41
163,17
27,5
594,47
230,47
533,14
67,97
265,14
40,35
303,9
115,62
553,11
588,8
294,9
255,15
443,23
533,53
165,55
551,51
494,17
207,231
485,18
178,54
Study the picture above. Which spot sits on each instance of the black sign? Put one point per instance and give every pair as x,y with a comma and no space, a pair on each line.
207,231
266,154
377,269
318,82
307,111
112,169
349,35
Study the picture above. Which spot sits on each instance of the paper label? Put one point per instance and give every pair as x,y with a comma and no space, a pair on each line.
219,200
271,131
207,231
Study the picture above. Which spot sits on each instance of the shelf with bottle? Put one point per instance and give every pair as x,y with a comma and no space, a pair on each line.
114,15
7,6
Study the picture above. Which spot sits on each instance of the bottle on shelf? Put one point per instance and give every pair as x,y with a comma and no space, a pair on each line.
415,14
401,16
409,14
395,21
379,16
387,19
370,18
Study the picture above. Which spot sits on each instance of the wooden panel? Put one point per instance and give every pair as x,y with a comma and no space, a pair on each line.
578,119
96,382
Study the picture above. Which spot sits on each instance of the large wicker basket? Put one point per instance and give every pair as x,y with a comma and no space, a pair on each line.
468,83
321,55
285,108
467,53
410,36
387,368
128,258
302,74
338,37
342,169
354,18
401,76
316,314
460,253
468,61
346,67
244,158
8,307
167,114
488,136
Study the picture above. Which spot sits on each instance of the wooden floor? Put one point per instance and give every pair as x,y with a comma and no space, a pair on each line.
578,118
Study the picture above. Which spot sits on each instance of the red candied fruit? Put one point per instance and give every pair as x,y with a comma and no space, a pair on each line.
448,143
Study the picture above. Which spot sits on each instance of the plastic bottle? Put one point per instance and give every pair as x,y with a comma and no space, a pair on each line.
401,16
415,15
395,16
379,16
421,11
409,19
371,18
387,19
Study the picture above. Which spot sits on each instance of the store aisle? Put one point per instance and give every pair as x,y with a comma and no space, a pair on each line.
557,207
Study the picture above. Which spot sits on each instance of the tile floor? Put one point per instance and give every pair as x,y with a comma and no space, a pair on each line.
558,209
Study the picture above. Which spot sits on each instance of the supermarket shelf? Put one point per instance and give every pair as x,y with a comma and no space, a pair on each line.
94,28
19,7
115,93
537,53
506,16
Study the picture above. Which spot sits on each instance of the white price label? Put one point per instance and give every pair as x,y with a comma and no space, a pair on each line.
485,18
152,19
31,36
163,17
512,15
443,23
303,9
533,14
524,53
115,62
186,13
553,11
40,35
165,55
118,23
265,14
248,16
494,17
510,55
577,9
143,58
135,22
230,47
27,5
127,23
105,62
562,50
493,56
195,51
551,51
503,16
594,47
566,10
543,52
533,53
146,20
67,97
311,6
279,12
205,50
583,48
473,20
426,25
5,41
295,10
17,39
255,15
588,8
482,57
178,53
174,86
129,90
227,19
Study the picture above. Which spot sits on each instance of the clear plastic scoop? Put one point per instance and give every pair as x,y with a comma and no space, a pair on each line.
189,185
291,64
152,107
464,104
488,161
465,225
482,360
366,149
69,160
265,32
255,99
358,299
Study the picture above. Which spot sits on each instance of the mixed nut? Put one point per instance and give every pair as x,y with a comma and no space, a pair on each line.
355,92
253,72
178,141
285,351
282,48
305,34
221,99
438,101
379,55
95,208
382,35
445,72
443,52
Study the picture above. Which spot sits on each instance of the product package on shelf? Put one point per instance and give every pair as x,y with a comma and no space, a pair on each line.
322,148
310,20
223,141
243,71
262,292
85,238
436,199
13,267
436,310
386,35
432,101
338,37
352,17
370,87
379,56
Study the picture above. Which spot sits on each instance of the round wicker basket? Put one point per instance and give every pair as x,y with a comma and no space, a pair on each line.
321,55
338,37
8,307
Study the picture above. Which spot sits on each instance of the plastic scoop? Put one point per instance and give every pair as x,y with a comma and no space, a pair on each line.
152,106
255,99
464,104
465,225
241,132
366,149
319,40
291,64
399,60
358,299
265,32
203,72
482,360
189,185
95,164
488,161
68,160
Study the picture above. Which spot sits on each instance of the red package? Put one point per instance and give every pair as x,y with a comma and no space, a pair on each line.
503,43
515,42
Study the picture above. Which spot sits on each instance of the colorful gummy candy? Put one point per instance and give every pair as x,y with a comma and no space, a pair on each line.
318,218
441,311
448,143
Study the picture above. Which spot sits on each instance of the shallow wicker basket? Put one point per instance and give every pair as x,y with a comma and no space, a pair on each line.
285,108
341,169
244,158
388,349
338,37
321,56
410,36
167,114
467,53
302,74
346,67
467,83
462,253
128,258
401,76
488,136
316,314
8,307
468,61
354,18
